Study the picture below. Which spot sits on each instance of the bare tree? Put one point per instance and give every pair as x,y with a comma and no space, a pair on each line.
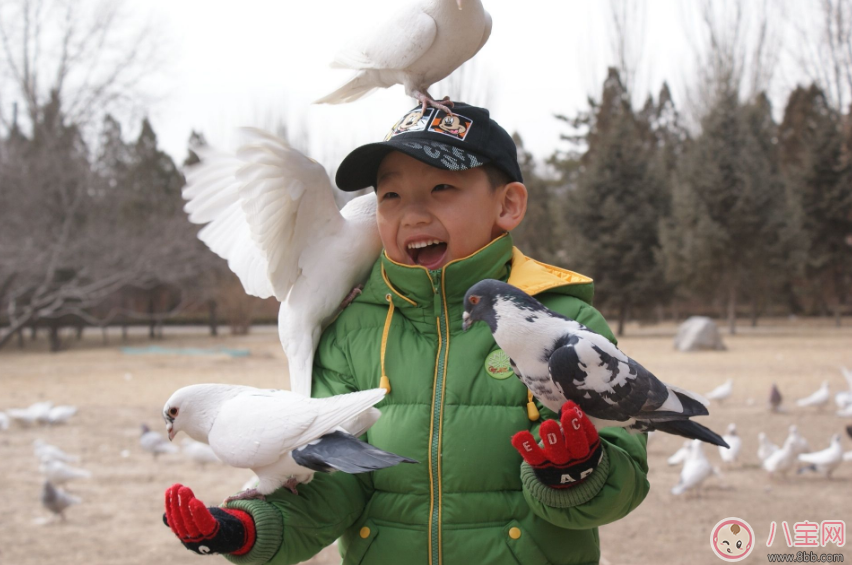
627,38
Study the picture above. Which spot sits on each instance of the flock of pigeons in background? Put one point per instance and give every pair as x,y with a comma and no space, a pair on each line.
794,452
58,467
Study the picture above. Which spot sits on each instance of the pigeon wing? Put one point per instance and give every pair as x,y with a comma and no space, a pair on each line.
263,207
396,44
255,429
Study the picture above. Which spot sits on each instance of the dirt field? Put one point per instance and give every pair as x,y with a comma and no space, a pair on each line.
119,521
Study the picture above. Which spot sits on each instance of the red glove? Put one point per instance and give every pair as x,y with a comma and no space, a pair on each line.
207,530
570,452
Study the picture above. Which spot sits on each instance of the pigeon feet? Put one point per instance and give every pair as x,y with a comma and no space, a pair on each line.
248,494
291,484
423,97
351,296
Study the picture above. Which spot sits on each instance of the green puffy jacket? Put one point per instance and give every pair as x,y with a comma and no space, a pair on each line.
470,499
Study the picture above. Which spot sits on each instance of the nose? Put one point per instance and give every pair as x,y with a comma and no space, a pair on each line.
416,213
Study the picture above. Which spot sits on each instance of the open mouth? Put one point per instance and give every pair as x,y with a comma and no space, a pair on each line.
429,253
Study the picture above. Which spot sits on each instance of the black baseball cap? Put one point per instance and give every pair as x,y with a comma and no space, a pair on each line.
465,139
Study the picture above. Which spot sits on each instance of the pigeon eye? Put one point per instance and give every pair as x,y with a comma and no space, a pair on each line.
173,412
474,300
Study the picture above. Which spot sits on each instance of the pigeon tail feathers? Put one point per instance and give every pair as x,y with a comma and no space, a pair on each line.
355,88
691,430
339,451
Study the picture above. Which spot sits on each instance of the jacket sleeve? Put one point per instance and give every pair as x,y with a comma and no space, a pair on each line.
617,486
292,528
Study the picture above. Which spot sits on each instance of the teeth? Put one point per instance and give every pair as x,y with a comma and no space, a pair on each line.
419,244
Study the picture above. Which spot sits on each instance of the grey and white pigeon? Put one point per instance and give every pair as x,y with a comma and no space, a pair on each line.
765,448
819,398
282,436
696,470
271,214
721,392
199,452
44,452
730,454
422,43
57,500
827,460
775,398
155,443
58,472
559,359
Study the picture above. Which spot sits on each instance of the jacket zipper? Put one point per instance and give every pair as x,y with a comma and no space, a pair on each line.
437,408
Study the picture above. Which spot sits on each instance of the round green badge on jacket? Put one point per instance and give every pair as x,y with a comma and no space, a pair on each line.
497,365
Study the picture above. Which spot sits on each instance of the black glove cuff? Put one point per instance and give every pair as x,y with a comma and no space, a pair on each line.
571,474
230,537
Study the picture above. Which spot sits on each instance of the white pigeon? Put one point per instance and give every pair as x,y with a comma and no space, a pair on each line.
155,443
57,500
800,444
282,436
721,392
846,412
58,472
780,462
45,452
765,447
559,359
199,452
60,414
819,398
827,460
696,469
730,454
33,414
843,399
4,421
270,213
422,43
681,454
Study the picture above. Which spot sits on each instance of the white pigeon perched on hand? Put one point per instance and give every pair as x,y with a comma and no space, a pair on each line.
721,392
765,448
57,500
559,359
819,398
696,469
730,454
422,43
270,213
58,472
681,454
282,436
44,451
155,443
827,460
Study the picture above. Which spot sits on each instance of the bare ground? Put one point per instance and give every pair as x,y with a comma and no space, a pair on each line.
119,521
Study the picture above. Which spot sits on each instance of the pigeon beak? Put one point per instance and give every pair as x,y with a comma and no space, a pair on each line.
171,429
466,321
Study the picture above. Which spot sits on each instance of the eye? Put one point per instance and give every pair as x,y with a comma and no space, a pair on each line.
440,187
389,195
474,300
173,412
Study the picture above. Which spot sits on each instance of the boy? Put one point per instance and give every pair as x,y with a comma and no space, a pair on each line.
449,191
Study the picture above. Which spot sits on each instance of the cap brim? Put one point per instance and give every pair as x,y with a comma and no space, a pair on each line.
358,170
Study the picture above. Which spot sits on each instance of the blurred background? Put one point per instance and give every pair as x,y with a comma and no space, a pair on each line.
694,158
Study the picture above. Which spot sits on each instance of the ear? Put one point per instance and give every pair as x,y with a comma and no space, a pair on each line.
512,202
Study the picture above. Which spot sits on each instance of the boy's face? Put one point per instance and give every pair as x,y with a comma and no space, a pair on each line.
419,205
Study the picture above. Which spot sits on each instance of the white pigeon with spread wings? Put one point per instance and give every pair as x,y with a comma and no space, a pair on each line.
271,214
282,436
420,44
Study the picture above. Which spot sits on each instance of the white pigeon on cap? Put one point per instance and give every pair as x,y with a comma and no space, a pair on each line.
765,448
422,43
721,392
735,443
282,436
57,500
58,472
696,469
271,214
827,460
819,398
155,443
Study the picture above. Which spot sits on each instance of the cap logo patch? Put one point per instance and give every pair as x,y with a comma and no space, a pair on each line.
456,125
412,121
